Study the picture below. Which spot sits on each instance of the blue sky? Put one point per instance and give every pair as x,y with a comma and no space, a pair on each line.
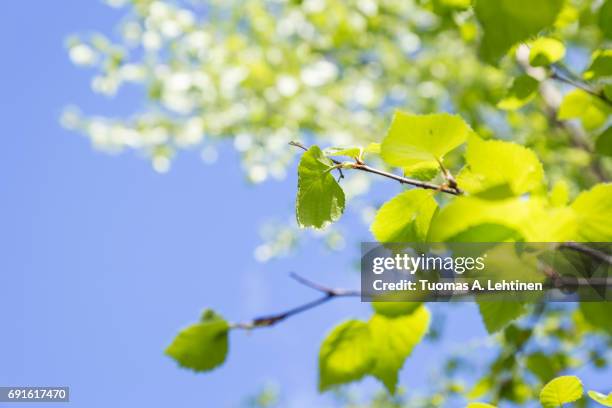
104,260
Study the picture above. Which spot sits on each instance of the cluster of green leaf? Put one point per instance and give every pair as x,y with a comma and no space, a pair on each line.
505,194
532,164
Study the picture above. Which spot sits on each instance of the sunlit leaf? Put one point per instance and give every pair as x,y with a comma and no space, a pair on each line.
593,209
561,390
414,139
480,405
405,218
532,219
346,354
605,400
498,169
559,195
545,51
577,104
393,341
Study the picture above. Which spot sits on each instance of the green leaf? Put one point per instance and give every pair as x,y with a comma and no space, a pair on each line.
202,346
346,354
543,366
559,195
522,90
351,151
545,51
393,341
598,315
605,16
577,104
532,219
405,218
480,388
497,314
394,309
607,91
605,400
422,171
603,145
593,209
561,390
492,169
601,65
320,200
414,139
507,22
480,405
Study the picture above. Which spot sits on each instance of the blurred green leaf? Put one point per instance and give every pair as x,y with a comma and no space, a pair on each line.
202,346
391,308
605,16
480,405
605,400
577,104
598,315
601,65
559,195
522,90
497,314
393,341
506,22
561,390
545,51
603,145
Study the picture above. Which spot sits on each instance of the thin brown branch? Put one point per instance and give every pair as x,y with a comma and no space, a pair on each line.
403,180
328,294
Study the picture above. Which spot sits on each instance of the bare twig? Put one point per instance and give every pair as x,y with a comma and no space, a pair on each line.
403,180
271,320
329,293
